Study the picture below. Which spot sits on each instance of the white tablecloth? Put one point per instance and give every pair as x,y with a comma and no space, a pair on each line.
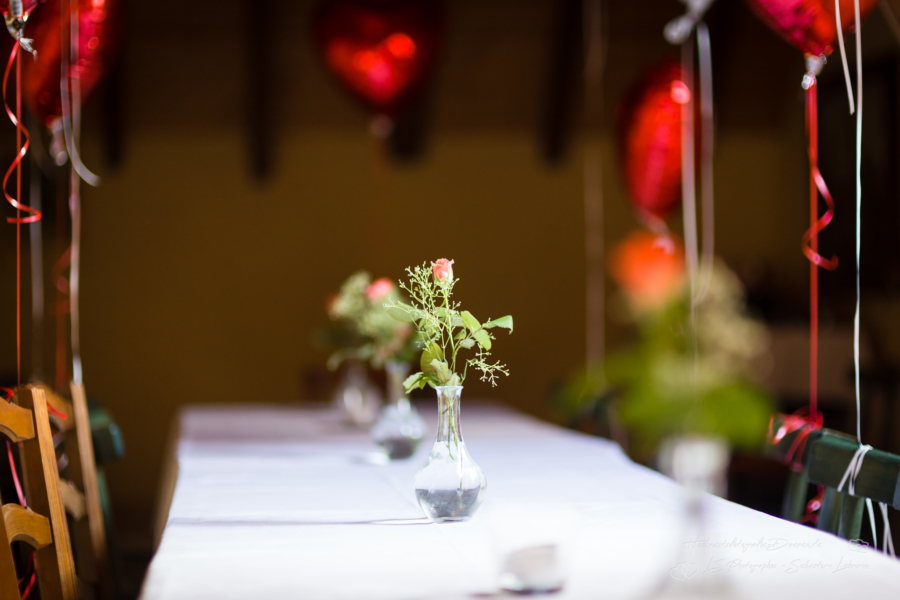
279,502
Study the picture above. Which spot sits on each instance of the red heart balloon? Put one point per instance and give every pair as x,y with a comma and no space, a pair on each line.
809,24
98,34
650,140
382,51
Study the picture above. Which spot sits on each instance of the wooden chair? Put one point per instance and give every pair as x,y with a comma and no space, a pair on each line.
80,492
792,450
29,424
878,480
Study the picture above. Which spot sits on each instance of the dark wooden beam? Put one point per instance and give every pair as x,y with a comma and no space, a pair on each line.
562,78
257,16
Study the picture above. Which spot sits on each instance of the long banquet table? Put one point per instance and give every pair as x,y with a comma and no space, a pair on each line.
282,502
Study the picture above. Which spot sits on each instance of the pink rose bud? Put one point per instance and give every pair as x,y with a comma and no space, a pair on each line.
442,268
378,289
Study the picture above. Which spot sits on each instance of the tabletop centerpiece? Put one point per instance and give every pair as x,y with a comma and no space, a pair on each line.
685,391
367,335
450,486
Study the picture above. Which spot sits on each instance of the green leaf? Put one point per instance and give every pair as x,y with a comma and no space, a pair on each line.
414,381
470,322
467,343
454,380
431,352
504,322
400,314
417,381
441,371
483,338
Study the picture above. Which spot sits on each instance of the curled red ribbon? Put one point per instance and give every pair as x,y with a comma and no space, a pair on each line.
813,506
810,249
12,463
801,422
30,585
34,214
811,237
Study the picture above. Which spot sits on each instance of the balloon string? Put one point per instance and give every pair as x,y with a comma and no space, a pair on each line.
706,160
12,463
688,186
840,37
27,591
71,112
62,309
859,117
35,215
73,141
689,199
811,237
37,275
888,544
817,186
28,569
16,166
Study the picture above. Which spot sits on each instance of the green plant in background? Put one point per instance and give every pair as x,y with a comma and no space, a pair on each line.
362,329
676,378
444,330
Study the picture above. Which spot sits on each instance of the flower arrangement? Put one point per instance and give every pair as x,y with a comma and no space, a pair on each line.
678,378
366,332
444,330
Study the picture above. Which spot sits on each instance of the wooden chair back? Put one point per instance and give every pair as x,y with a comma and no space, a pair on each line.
80,490
28,423
878,480
792,449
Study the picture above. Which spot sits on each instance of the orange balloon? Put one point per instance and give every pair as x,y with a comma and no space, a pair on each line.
649,268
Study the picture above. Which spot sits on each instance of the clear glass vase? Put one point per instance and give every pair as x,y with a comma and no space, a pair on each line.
699,463
356,397
399,428
450,486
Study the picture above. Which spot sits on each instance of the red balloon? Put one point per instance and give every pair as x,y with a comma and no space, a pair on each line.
383,51
809,24
650,140
97,37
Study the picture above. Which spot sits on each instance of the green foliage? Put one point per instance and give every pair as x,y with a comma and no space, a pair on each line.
678,379
444,330
363,330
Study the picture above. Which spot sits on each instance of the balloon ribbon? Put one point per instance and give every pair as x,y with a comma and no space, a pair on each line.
62,309
801,422
811,237
33,215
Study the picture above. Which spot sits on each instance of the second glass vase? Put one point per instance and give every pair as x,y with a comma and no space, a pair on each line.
400,428
450,486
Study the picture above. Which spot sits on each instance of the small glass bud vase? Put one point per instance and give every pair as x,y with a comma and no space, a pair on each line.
700,464
400,428
450,486
357,398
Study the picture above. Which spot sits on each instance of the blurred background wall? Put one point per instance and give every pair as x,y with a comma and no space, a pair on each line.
203,282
